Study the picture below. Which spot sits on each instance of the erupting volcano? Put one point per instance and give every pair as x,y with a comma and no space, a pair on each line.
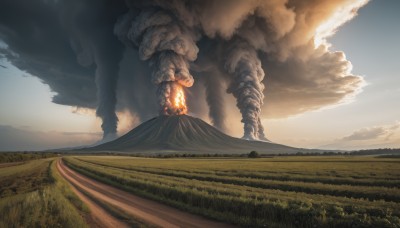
173,102
142,58
174,131
179,102
185,134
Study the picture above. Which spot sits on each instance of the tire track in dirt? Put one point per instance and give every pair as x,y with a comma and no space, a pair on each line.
99,217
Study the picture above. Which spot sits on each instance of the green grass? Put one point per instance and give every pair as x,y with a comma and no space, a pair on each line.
23,156
372,192
25,177
64,188
35,195
280,192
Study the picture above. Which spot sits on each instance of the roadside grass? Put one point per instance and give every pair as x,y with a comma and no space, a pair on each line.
63,187
225,190
35,195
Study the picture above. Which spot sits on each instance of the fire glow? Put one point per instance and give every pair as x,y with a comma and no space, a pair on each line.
179,101
172,99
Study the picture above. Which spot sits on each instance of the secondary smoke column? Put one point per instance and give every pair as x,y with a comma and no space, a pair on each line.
214,97
93,41
106,82
246,86
169,46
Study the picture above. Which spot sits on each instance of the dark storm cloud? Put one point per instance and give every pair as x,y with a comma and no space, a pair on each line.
90,25
96,54
38,45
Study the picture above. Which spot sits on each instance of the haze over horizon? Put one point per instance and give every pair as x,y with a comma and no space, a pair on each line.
325,112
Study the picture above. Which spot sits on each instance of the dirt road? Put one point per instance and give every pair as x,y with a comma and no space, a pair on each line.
98,218
150,211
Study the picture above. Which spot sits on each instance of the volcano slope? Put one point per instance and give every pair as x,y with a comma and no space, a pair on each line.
183,133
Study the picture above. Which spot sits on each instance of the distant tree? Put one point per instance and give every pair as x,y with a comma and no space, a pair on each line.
253,154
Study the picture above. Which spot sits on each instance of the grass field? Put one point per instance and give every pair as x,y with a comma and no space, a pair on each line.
33,194
272,192
7,157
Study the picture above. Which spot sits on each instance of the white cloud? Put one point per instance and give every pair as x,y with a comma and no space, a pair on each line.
382,136
368,133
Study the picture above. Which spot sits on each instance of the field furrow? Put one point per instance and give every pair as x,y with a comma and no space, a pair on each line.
243,200
382,178
371,193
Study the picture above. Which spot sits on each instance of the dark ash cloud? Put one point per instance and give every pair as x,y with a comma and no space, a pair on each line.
105,54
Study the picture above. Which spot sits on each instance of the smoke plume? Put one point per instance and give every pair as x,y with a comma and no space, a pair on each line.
243,63
100,55
169,47
92,39
214,97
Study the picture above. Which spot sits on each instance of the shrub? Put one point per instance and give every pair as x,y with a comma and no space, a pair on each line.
253,154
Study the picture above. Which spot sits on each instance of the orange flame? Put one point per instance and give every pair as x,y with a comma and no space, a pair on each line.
179,102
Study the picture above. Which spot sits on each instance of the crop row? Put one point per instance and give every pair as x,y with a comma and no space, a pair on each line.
309,178
245,205
354,168
221,188
371,193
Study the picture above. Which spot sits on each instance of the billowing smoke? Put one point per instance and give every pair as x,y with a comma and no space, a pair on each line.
91,37
91,52
243,63
214,97
168,45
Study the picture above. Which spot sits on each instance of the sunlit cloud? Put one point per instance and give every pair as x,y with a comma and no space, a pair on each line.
339,17
368,137
383,132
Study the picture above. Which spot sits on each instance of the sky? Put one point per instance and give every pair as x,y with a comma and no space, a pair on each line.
29,120
371,43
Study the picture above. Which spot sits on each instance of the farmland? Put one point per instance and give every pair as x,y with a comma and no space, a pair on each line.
33,194
8,157
274,192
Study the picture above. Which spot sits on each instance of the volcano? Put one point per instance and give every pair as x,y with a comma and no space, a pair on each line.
183,133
